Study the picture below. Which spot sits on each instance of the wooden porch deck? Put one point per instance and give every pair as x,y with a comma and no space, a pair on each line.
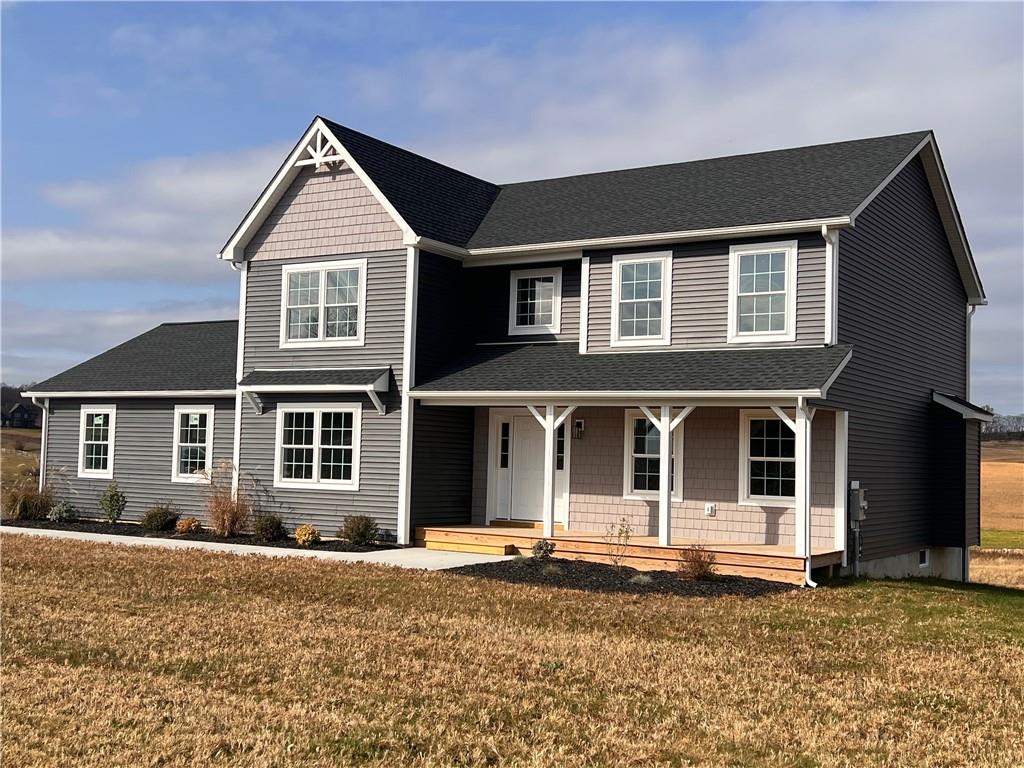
763,561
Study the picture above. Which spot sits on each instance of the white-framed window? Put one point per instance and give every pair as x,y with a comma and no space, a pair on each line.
193,444
535,301
641,472
318,446
96,441
323,304
762,292
641,299
767,460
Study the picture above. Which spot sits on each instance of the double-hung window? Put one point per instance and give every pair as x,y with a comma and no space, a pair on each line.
193,444
535,298
642,449
762,292
767,460
323,304
318,446
641,308
96,441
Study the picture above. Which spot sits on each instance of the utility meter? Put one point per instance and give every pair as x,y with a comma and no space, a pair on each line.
858,503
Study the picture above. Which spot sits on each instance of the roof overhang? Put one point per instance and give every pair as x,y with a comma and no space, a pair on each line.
713,397
234,248
152,393
964,408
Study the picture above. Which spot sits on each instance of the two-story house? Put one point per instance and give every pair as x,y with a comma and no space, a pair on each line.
714,351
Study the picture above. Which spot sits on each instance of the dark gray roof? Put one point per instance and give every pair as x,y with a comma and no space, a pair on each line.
964,407
561,368
317,377
172,356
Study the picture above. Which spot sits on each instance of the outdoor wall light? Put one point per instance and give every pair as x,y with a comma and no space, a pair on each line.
577,429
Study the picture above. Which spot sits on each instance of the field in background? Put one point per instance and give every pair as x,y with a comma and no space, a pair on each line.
150,657
19,453
1002,495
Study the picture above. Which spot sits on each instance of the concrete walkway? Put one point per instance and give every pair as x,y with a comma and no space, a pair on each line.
417,558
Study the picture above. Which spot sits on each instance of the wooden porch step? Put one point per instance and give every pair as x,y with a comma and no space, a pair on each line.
479,549
530,524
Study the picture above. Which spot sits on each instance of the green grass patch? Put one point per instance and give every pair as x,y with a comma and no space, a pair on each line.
995,539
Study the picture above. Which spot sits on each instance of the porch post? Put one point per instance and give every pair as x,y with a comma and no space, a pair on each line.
802,453
665,477
548,511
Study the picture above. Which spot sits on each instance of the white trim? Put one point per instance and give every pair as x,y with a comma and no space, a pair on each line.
744,497
243,288
555,273
172,393
584,302
42,441
664,238
536,258
665,337
323,267
236,445
967,380
657,398
318,409
892,175
380,385
111,411
628,492
791,248
839,514
835,374
203,477
831,237
953,405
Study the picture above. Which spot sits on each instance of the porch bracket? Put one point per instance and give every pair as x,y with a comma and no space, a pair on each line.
784,417
378,404
254,401
549,423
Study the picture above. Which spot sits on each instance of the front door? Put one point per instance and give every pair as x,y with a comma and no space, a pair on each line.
516,468
527,468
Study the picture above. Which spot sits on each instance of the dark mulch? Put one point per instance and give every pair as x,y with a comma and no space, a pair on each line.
133,529
598,577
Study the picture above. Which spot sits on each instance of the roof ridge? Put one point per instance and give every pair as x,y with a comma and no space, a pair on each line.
194,322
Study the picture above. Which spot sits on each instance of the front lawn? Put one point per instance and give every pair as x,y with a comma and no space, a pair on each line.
125,656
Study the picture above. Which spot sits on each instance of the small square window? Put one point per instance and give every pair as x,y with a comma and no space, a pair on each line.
535,298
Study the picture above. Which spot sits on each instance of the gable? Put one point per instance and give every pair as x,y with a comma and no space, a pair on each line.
325,211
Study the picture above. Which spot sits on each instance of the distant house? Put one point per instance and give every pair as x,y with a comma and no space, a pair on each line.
767,353
21,415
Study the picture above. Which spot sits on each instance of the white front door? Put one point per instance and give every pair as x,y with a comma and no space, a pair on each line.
527,469
515,488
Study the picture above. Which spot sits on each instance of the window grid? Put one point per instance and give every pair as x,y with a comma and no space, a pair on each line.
318,446
324,304
297,446
505,443
96,442
535,301
771,453
336,445
640,287
192,434
304,305
646,456
761,294
560,447
342,303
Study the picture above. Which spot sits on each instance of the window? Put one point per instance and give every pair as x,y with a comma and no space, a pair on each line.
922,558
323,304
560,447
96,441
535,298
193,444
505,445
642,450
768,460
318,446
762,292
641,313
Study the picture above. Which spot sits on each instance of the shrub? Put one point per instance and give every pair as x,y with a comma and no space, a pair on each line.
113,502
62,512
268,528
696,562
641,580
551,570
227,511
543,549
161,517
188,525
24,501
306,535
359,529
616,541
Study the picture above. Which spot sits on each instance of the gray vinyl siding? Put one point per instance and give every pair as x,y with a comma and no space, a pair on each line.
326,508
385,318
481,427
441,327
972,483
442,465
902,306
487,290
143,454
948,478
700,293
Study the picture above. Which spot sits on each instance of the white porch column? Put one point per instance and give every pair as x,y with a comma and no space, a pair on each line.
665,477
548,511
802,512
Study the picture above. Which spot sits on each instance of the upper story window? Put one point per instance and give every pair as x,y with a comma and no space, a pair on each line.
641,308
193,444
323,304
762,292
535,298
96,441
767,460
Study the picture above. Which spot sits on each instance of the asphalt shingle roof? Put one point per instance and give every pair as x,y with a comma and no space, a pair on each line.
561,368
172,356
314,377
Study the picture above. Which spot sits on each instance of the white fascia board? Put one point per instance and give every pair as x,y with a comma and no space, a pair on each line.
630,396
378,386
967,413
170,393
234,249
835,374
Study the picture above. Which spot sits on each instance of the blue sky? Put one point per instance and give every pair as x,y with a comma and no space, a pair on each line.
136,135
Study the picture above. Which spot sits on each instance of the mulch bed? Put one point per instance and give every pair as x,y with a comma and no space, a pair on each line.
133,529
598,577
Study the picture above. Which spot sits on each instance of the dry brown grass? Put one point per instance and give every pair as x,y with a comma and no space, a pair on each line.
1004,568
19,454
128,657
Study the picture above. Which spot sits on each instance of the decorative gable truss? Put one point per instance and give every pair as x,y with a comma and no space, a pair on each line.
318,148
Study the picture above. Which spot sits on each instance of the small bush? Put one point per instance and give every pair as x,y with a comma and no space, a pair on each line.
543,549
161,517
306,535
188,525
23,501
359,529
266,528
519,560
616,541
227,512
113,502
551,570
641,580
62,512
696,562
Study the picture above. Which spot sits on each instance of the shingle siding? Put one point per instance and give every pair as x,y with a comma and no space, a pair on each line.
902,306
143,454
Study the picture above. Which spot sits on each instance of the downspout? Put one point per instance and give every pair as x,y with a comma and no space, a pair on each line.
44,406
965,550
